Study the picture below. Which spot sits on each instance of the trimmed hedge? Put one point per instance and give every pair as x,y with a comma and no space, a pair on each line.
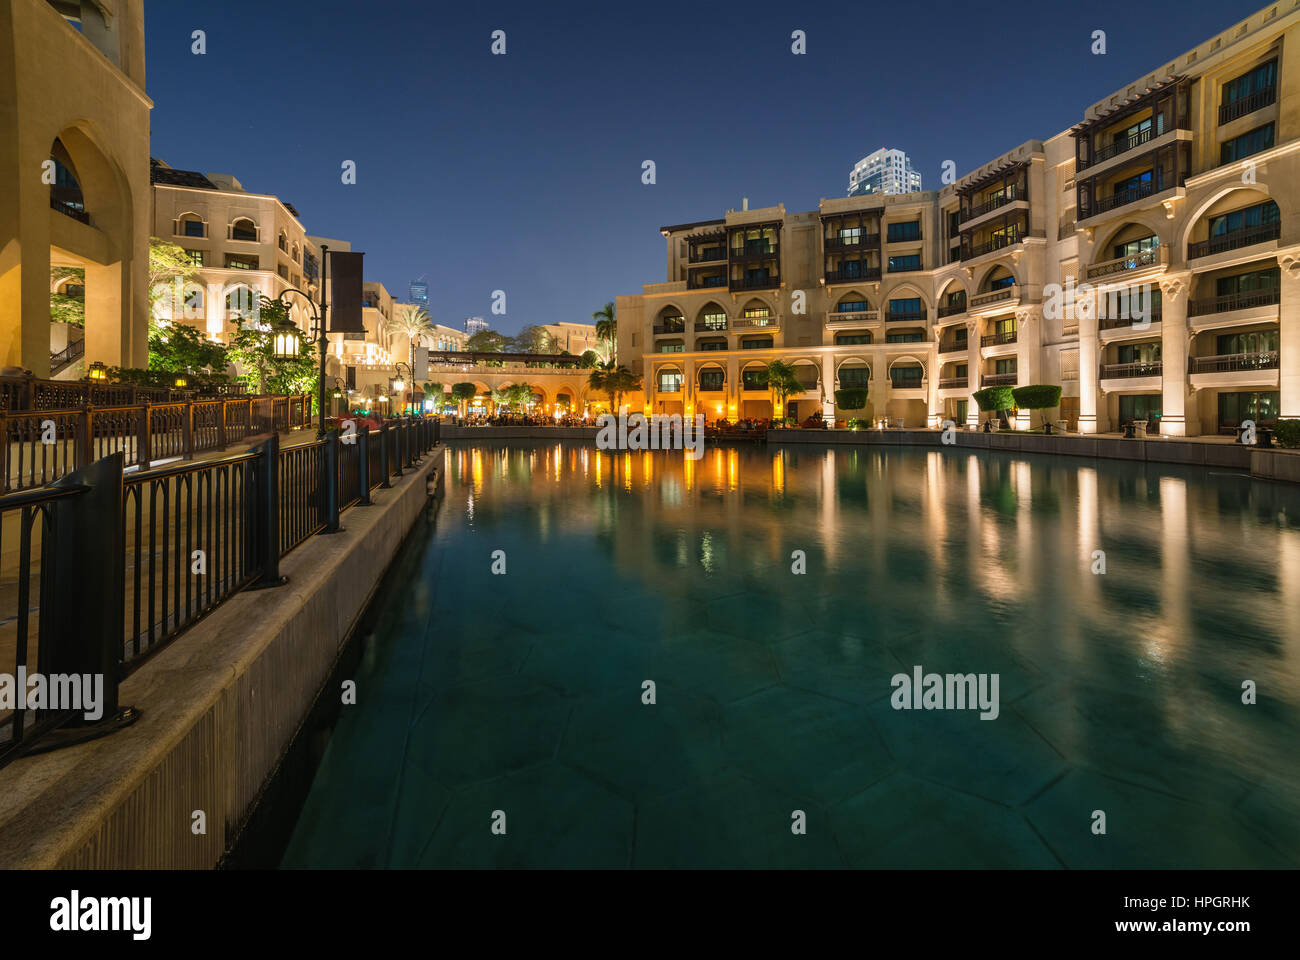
858,423
1287,434
851,398
1040,396
995,398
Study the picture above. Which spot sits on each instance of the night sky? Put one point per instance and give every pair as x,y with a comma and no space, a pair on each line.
523,172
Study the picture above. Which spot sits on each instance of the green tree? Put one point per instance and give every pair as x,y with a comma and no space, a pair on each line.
851,398
531,339
168,263
607,328
462,393
780,378
64,308
614,381
252,347
1037,397
588,360
180,348
486,341
994,399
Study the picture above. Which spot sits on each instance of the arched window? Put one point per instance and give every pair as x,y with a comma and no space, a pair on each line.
243,229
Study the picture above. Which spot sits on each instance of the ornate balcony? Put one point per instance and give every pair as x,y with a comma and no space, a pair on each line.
1235,362
1235,240
1126,371
1245,300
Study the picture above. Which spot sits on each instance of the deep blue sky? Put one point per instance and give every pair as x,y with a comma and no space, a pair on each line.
523,172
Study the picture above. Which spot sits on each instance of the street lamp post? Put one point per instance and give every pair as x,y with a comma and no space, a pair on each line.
287,338
399,384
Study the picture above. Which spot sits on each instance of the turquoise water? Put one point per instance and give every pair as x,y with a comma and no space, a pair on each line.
521,695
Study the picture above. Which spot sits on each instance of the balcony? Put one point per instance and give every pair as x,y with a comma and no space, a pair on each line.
1235,363
753,323
854,318
1123,145
1127,371
1256,101
906,383
951,310
997,243
69,202
1245,300
953,345
663,328
1234,240
998,339
1120,323
995,297
850,244
997,203
758,252
953,383
710,326
707,254
755,283
1121,266
1123,198
909,316
704,283
999,379
864,275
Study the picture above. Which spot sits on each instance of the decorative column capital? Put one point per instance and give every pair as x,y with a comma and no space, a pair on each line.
1290,263
1172,289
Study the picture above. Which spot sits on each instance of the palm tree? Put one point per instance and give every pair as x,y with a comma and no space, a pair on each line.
613,380
607,327
780,378
413,323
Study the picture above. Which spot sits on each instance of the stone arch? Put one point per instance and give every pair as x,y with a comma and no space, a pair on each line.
1258,192
1141,224
853,295
908,290
713,306
908,359
996,271
243,228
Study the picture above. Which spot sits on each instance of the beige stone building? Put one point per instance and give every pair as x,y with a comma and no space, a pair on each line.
74,161
574,338
1147,260
246,245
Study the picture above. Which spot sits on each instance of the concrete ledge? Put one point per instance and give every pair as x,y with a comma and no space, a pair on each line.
219,707
1276,465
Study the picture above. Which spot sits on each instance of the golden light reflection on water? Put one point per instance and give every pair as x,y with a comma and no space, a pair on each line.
1011,528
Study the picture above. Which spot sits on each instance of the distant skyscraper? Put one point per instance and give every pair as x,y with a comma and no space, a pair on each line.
474,324
420,293
885,171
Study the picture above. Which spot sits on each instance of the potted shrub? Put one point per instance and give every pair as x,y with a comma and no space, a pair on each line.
995,400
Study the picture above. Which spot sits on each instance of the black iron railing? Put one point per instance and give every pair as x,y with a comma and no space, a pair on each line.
1235,362
62,359
1122,145
108,568
1235,240
1245,300
1239,108
1139,368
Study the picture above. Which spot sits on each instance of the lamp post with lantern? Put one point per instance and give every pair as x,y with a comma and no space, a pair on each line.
287,339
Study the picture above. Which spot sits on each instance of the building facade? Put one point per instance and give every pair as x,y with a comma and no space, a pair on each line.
475,325
885,171
1147,260
245,245
74,161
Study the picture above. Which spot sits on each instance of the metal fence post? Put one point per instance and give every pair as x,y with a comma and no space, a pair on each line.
266,511
144,452
330,482
221,427
188,428
84,636
385,445
363,466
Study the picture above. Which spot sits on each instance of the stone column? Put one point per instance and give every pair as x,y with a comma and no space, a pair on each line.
689,389
932,412
1289,337
1028,335
828,389
974,369
1085,312
1173,356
